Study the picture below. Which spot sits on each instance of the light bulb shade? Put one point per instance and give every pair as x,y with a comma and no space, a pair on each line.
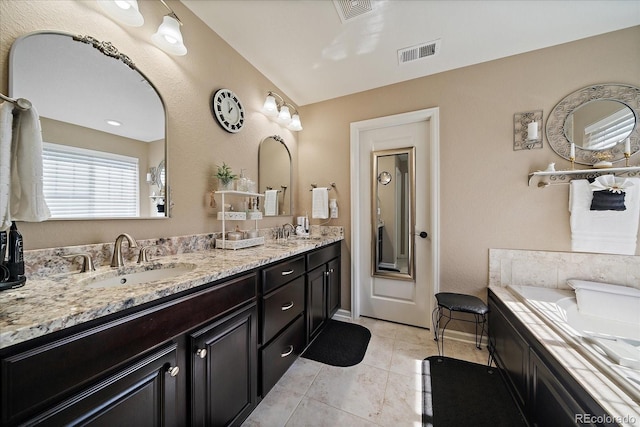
270,108
169,38
124,11
285,116
295,124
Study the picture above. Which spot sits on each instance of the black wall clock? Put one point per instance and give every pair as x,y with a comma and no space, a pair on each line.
228,110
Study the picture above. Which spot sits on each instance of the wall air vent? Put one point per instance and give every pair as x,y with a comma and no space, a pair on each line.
350,9
421,51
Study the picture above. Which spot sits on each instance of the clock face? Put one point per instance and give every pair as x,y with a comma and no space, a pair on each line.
227,108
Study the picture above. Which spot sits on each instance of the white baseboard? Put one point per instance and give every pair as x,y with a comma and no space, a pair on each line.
342,314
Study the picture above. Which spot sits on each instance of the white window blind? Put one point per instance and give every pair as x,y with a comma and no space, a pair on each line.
609,131
82,183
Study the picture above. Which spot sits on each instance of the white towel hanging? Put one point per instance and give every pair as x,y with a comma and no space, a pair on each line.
613,232
320,203
271,203
27,193
6,124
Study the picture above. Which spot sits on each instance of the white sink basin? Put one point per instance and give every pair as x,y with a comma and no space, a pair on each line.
139,277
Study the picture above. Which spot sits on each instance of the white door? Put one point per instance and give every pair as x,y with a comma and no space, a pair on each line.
403,301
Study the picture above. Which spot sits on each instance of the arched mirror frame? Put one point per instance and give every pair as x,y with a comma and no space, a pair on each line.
409,212
285,191
109,50
555,128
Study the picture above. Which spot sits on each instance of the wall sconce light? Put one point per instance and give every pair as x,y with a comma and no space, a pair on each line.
527,130
124,11
168,37
281,112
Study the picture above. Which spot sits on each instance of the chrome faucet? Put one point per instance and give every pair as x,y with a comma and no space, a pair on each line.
286,234
117,260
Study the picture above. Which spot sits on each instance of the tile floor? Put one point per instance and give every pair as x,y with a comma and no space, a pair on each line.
385,389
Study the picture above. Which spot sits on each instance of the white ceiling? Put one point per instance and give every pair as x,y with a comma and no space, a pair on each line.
303,47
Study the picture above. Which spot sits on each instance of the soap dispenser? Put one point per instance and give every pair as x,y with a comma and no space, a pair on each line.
243,182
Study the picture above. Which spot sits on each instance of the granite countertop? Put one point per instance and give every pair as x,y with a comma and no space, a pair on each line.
58,301
611,397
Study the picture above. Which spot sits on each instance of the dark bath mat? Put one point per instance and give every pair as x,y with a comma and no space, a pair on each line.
339,344
460,393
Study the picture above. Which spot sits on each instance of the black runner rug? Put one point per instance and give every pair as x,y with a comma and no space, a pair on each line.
339,344
460,393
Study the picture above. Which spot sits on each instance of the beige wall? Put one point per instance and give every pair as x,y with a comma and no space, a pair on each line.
196,141
485,199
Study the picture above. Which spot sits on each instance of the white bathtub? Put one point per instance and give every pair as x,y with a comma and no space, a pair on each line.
613,343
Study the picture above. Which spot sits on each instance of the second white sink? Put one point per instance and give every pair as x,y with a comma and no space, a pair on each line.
139,277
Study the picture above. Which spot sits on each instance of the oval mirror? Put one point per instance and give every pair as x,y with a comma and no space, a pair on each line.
393,213
597,119
103,125
274,172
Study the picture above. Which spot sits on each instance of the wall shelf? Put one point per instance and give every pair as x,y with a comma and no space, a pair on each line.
546,178
238,216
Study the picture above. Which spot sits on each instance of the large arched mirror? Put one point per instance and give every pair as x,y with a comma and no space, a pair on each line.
103,125
597,120
274,172
393,213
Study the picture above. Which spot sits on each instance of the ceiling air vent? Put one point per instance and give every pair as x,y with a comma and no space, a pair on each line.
413,53
350,9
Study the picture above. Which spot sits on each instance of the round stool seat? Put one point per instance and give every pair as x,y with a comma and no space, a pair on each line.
461,302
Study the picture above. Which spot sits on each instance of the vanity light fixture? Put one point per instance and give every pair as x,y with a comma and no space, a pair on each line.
281,111
124,11
168,37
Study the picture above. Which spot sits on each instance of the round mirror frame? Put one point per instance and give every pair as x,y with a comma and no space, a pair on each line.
625,94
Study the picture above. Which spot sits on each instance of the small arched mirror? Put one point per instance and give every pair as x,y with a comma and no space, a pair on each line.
101,118
597,120
274,172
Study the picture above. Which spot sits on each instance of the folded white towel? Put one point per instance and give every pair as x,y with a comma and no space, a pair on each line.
612,232
320,203
271,203
27,195
6,123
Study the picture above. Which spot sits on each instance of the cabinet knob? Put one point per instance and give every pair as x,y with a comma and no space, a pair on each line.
288,352
201,353
331,270
173,370
326,273
286,307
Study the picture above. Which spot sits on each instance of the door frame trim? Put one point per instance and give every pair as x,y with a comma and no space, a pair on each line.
433,116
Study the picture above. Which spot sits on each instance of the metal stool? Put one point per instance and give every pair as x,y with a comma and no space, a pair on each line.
449,303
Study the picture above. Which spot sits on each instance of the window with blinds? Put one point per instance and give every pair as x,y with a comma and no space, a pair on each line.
82,183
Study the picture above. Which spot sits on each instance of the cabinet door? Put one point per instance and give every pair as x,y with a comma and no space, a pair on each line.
316,301
224,370
510,351
550,403
143,394
334,286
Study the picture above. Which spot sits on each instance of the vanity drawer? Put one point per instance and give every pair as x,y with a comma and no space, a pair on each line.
281,353
281,307
281,273
322,256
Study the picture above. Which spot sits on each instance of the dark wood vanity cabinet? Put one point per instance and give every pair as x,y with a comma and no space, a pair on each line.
127,366
203,357
323,287
545,392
